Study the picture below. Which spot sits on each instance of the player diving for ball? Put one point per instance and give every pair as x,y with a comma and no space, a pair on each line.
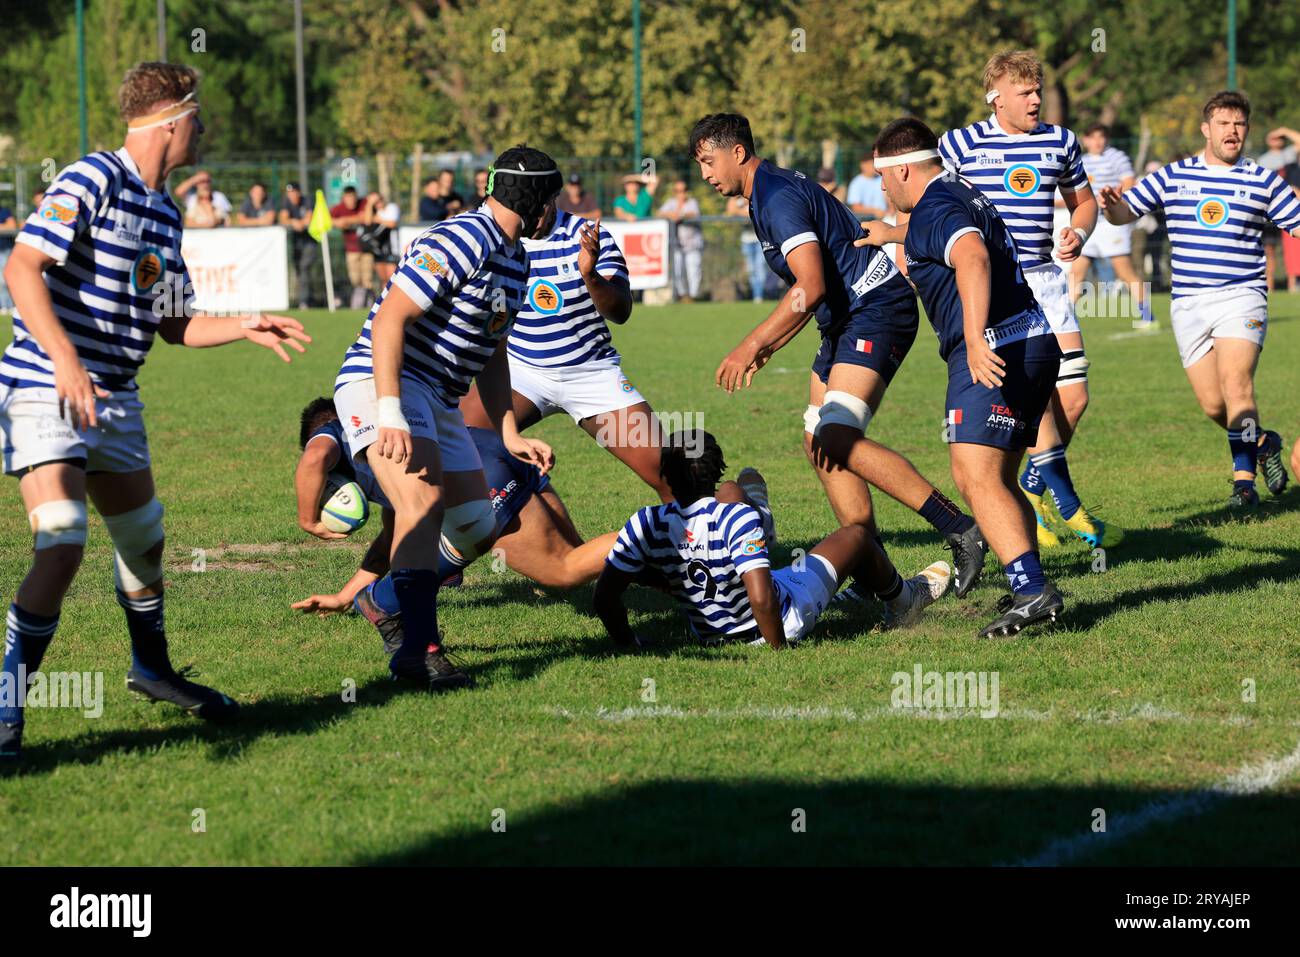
1001,354
867,316
440,323
560,352
1216,205
535,535
1019,162
95,273
708,548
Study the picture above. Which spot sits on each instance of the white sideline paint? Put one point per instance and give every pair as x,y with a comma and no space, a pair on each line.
1141,712
1249,779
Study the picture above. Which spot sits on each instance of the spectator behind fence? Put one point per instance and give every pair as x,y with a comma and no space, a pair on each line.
454,202
637,200
378,236
866,194
7,220
750,248
480,189
295,215
577,201
688,250
432,208
826,180
203,211
188,190
1281,151
257,208
348,215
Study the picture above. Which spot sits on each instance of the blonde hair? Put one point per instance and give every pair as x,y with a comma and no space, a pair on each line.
1021,65
148,84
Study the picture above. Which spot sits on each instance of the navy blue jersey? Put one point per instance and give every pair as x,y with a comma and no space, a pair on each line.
949,209
788,210
511,482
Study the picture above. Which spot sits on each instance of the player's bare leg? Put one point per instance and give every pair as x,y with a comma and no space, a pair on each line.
634,436
542,544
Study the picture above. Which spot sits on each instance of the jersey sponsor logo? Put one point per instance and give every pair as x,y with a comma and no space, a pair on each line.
58,209
753,546
148,268
434,261
498,321
1212,212
545,297
1021,180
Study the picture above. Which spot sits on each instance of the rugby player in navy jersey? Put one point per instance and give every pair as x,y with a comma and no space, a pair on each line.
708,549
535,535
866,314
95,273
1002,356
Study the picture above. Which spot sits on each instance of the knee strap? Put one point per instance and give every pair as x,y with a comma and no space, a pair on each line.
811,415
466,526
59,523
1074,368
135,533
843,408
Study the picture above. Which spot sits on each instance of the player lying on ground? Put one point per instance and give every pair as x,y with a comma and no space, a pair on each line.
1019,162
440,323
866,314
1216,205
95,273
1001,354
708,549
561,356
535,535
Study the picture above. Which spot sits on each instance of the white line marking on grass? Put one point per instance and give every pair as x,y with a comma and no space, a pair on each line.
1135,334
1142,712
1249,779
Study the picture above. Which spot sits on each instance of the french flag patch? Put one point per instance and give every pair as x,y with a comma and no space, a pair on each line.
864,345
954,416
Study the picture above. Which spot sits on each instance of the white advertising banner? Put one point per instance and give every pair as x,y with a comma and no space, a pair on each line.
238,269
644,244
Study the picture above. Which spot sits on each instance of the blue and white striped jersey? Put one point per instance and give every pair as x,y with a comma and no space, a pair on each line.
1214,215
1020,174
702,550
1110,167
559,324
470,283
113,240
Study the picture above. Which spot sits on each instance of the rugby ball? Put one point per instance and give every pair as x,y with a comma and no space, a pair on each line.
344,508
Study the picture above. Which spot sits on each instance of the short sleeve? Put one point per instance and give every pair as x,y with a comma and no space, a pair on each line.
1073,178
1283,206
1147,194
950,152
939,231
439,262
71,204
610,263
745,540
627,554
789,221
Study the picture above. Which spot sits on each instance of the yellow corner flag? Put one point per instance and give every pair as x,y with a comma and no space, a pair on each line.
320,218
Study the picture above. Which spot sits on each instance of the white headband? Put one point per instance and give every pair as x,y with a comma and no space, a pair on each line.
168,114
990,96
916,156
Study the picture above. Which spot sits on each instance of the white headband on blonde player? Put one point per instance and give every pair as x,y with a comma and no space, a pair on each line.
168,114
916,156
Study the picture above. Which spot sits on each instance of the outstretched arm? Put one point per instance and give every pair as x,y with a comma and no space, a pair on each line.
374,565
786,321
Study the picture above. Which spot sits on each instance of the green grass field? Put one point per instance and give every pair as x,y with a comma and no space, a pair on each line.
1133,699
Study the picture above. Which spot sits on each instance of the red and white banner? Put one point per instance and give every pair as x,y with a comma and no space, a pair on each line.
238,269
644,244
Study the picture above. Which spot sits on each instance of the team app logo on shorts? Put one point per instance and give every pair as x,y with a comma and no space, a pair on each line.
58,209
1212,212
148,268
1021,180
624,384
1254,325
1003,417
545,297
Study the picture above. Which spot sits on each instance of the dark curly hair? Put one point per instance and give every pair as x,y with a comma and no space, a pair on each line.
317,413
692,465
